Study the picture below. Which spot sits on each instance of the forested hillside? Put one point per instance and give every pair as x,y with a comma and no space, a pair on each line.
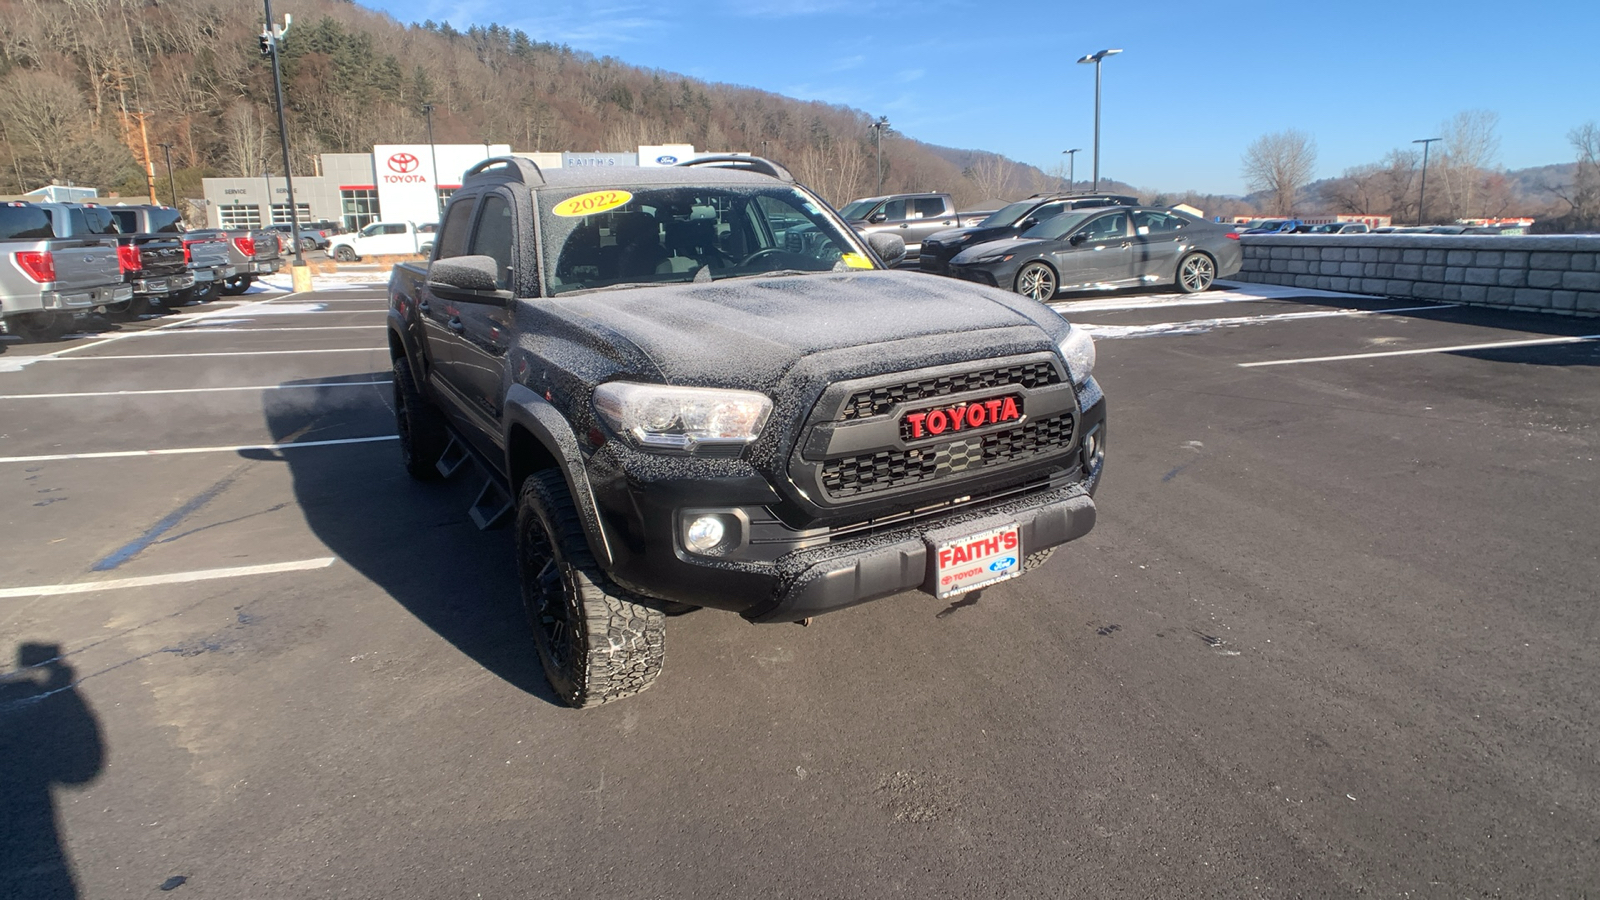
76,74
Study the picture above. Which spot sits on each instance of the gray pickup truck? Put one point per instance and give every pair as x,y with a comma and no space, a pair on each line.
153,264
46,280
252,254
910,216
207,256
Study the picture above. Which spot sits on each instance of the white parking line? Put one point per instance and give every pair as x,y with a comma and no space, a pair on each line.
1201,326
204,390
179,451
216,353
229,329
1238,294
1492,345
112,584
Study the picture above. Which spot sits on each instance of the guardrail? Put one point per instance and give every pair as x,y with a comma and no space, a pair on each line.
1555,274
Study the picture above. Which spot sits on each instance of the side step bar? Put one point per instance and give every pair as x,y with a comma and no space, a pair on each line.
454,456
492,507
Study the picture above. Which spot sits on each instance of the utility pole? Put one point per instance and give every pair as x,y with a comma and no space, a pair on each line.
149,164
1097,59
1072,158
172,185
433,156
878,127
271,45
1422,196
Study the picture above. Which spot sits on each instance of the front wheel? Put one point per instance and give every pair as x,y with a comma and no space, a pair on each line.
1196,272
236,285
423,438
343,253
1037,281
596,641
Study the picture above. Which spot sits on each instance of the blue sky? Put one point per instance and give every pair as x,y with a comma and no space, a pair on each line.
1195,84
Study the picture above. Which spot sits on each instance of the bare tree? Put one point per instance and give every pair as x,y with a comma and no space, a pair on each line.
990,175
246,139
1583,194
1280,164
1471,146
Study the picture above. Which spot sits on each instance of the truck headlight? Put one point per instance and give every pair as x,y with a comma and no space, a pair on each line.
1077,348
658,417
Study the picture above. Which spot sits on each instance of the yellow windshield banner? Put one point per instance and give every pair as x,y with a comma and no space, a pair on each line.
856,261
592,202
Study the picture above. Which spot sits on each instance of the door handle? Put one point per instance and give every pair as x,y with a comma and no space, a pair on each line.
455,324
423,307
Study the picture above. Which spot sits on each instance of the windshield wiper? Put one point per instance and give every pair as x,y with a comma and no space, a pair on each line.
775,273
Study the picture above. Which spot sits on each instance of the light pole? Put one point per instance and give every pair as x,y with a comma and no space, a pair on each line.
271,44
877,128
438,208
1072,159
172,185
1097,59
1422,195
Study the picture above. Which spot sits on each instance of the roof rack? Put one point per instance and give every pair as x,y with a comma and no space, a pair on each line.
743,163
525,170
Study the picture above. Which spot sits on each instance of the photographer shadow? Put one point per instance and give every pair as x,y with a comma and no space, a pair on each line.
48,736
413,540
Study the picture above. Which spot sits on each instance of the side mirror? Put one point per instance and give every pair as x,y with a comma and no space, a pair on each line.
875,218
471,279
1025,224
891,248
1079,238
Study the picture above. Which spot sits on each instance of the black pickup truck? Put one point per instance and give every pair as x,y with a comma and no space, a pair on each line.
679,408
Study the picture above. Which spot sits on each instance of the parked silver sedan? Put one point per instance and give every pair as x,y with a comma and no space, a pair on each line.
1104,249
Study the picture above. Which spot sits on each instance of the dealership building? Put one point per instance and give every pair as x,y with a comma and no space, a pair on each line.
394,183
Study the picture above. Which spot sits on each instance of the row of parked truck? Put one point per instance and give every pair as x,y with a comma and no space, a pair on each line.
62,260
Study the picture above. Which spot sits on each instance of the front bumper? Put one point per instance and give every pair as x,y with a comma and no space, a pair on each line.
781,574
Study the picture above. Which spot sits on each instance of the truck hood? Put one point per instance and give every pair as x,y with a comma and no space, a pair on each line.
748,332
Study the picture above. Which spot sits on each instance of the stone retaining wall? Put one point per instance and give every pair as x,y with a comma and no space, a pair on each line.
1538,273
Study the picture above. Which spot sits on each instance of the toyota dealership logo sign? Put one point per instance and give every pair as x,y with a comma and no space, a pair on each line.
404,166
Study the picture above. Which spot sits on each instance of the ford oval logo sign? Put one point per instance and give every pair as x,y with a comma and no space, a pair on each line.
1000,565
667,160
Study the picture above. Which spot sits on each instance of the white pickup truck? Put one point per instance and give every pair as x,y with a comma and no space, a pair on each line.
385,239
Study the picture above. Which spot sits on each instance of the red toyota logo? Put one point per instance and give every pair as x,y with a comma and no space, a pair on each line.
403,163
977,414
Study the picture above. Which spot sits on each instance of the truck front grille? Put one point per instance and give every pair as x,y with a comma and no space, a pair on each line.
880,400
888,469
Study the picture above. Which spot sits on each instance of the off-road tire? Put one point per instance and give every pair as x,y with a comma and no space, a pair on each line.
237,285
41,327
1037,558
423,437
597,642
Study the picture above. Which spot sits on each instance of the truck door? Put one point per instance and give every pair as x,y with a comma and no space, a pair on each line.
483,329
437,314
924,216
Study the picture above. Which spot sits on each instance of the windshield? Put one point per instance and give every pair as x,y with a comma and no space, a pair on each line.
677,234
1268,223
1057,227
858,209
1007,215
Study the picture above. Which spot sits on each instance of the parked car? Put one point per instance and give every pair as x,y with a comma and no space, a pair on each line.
385,239
1272,226
1101,249
911,216
328,227
1339,228
155,264
1007,222
673,409
310,238
207,258
45,280
251,254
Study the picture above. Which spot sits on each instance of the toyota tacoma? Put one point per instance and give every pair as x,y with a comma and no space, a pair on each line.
677,407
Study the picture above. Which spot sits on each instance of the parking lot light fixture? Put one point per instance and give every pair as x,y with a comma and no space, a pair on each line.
1072,159
877,128
427,110
1097,59
272,43
1422,195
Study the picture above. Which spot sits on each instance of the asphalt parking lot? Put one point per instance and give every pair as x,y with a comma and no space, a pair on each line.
1334,634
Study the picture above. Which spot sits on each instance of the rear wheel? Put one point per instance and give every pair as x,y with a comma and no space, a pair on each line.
1037,281
41,327
236,285
423,438
209,292
1196,272
596,641
177,298
307,245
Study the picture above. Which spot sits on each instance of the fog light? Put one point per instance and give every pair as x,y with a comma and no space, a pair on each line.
704,534
1090,449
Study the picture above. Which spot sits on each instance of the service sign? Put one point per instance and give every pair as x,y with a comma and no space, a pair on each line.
976,561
